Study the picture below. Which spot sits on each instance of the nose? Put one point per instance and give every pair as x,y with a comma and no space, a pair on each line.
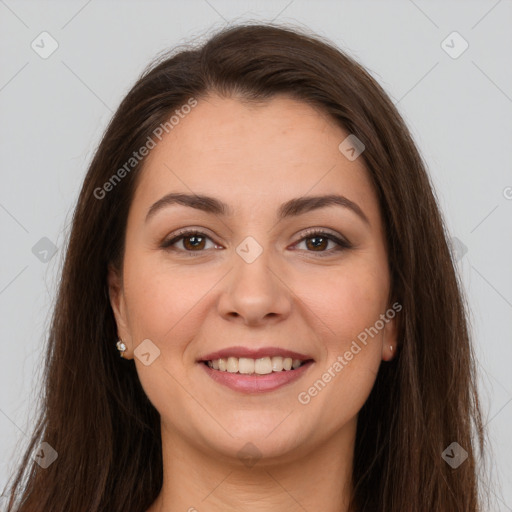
255,293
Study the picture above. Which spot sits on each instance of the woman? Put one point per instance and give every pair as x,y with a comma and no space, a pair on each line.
258,238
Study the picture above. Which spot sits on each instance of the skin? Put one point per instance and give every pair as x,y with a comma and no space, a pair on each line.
254,158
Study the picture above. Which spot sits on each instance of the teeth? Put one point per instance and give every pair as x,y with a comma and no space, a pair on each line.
263,366
248,366
232,365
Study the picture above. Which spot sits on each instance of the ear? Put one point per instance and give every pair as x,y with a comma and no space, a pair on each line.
117,301
390,333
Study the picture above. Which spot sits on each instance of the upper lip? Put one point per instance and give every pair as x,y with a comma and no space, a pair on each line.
254,353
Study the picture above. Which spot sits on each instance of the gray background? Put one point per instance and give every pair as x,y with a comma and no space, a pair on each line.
54,111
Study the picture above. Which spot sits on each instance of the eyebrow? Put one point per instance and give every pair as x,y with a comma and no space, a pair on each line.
293,207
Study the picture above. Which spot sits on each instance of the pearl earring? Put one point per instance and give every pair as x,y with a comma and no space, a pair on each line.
121,347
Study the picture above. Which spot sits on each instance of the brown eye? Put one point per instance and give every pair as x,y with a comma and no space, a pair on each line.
194,242
318,242
191,241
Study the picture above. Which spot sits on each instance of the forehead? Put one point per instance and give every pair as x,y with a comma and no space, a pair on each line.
253,156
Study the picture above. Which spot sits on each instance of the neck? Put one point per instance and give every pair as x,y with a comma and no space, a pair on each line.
312,478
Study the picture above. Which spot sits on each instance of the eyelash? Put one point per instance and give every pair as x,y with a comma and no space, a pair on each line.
186,233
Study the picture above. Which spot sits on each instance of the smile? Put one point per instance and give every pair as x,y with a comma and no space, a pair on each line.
260,366
255,382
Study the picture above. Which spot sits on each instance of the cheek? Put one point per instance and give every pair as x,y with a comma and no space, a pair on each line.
345,304
346,308
162,298
341,384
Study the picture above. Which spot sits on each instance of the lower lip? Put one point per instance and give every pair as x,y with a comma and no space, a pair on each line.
256,383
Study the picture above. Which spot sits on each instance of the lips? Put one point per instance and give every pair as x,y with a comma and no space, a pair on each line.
254,383
253,353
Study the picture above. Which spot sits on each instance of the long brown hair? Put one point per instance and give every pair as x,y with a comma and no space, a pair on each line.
95,413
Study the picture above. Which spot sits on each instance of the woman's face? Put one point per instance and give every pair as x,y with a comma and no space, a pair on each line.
254,278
